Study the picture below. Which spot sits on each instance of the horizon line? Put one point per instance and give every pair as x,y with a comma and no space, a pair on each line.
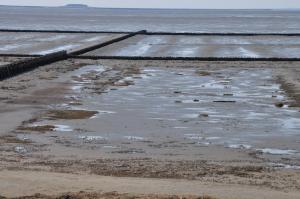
164,8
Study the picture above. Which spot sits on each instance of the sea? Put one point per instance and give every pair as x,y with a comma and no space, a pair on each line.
175,20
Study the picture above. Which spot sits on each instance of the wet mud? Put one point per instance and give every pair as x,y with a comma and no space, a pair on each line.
71,114
45,43
203,46
152,45
195,121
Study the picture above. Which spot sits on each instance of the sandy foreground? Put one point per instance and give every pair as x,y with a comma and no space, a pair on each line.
39,157
28,182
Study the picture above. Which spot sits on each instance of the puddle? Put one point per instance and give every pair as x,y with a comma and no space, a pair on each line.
291,123
52,38
193,137
96,38
247,53
87,69
286,52
20,149
110,147
62,128
284,166
186,52
239,146
230,108
56,49
212,138
191,115
46,128
134,138
171,100
180,127
91,137
11,47
231,40
141,48
233,51
80,77
277,151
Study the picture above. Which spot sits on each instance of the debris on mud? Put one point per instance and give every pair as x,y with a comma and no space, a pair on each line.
203,115
124,83
224,101
203,73
227,94
279,104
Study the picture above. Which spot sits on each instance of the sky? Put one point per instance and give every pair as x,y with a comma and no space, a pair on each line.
210,4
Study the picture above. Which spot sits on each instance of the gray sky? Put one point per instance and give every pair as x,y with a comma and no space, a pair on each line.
165,3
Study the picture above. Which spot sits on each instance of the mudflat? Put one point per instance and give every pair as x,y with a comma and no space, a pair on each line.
207,129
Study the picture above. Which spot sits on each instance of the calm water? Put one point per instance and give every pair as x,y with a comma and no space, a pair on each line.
150,19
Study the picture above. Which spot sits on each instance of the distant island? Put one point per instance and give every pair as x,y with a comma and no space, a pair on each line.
76,6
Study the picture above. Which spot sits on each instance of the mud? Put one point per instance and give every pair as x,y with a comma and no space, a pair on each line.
71,114
13,139
45,43
204,46
41,129
121,118
152,45
204,118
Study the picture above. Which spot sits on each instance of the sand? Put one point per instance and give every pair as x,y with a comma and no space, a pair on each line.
27,182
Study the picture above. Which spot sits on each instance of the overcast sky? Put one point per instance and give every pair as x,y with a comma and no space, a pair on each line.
248,4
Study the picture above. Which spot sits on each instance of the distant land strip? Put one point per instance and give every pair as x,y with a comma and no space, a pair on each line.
150,33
